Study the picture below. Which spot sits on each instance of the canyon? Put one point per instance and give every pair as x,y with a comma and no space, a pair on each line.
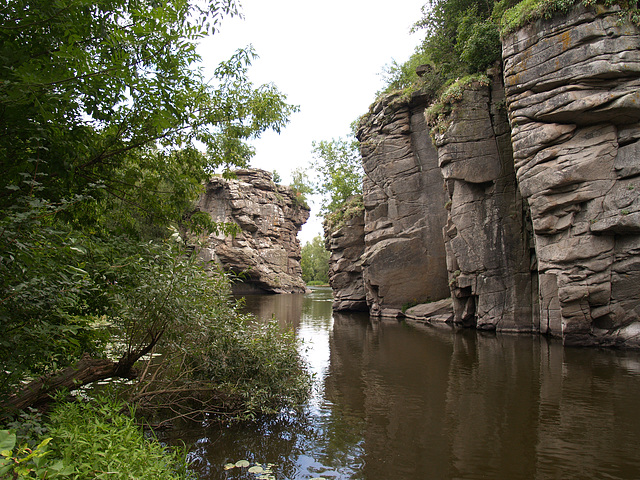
516,208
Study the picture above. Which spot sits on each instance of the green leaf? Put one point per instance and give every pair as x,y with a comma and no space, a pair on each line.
7,440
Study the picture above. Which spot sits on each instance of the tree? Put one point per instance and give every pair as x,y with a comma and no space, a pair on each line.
340,172
315,262
103,112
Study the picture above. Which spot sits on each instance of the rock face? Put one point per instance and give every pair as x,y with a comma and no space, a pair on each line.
266,253
573,94
404,256
344,238
542,226
486,241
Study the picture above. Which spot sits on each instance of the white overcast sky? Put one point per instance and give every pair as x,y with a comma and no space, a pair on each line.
326,56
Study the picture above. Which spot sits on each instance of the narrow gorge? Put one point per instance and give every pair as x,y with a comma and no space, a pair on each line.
514,206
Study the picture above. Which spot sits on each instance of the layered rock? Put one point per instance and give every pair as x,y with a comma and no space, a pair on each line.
486,241
265,254
344,238
404,256
573,94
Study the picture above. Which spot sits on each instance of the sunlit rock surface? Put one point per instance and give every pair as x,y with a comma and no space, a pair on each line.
573,95
265,255
404,256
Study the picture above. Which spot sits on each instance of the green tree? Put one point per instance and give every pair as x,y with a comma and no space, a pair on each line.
301,185
339,167
461,38
315,261
107,129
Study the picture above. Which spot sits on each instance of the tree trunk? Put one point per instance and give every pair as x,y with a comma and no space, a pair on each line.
86,371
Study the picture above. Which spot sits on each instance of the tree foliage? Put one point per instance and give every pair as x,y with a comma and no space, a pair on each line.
461,38
107,130
315,262
339,167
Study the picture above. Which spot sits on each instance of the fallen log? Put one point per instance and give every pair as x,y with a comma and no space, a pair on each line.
87,370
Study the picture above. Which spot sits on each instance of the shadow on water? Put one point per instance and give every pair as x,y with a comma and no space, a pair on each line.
395,401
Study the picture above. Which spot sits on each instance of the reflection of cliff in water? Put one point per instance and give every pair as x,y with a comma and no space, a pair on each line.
467,405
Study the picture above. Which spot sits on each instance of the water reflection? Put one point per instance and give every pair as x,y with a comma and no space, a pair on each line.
401,402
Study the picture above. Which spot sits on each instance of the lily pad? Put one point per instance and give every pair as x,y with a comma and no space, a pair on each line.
229,466
242,463
256,469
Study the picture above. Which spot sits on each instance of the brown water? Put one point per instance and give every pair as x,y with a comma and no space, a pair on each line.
398,402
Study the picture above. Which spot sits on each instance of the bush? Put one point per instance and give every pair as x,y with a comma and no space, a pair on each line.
91,440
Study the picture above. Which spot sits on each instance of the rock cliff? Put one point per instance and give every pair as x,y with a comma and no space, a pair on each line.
265,254
573,94
344,238
486,236
539,169
404,257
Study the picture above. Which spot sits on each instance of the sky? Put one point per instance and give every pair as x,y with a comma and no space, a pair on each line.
327,57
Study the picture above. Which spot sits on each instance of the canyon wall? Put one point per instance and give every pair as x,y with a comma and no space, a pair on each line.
486,241
265,255
344,238
573,94
404,258
539,171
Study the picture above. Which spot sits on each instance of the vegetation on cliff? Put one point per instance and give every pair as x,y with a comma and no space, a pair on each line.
104,112
462,38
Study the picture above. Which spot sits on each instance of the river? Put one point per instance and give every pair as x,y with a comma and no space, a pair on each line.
394,401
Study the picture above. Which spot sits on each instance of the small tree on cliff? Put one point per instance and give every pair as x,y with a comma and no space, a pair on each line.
340,172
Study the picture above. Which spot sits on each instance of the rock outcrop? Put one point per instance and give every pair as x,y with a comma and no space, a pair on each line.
542,227
344,238
573,94
486,239
265,254
404,256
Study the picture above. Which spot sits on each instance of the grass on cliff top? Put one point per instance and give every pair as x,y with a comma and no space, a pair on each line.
452,94
528,11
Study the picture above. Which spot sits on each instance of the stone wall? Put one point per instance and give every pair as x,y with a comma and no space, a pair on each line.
265,255
573,94
486,240
404,257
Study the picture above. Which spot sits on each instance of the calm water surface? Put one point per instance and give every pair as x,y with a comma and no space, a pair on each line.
398,402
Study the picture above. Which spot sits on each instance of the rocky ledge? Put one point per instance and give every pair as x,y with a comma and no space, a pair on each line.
265,255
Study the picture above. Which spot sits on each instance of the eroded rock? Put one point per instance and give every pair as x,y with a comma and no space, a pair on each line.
486,241
265,255
573,91
404,257
344,238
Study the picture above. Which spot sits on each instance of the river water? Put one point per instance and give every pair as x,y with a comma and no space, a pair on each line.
395,401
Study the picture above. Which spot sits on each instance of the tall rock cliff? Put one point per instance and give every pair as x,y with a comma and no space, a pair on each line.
486,236
542,226
265,255
404,257
573,93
